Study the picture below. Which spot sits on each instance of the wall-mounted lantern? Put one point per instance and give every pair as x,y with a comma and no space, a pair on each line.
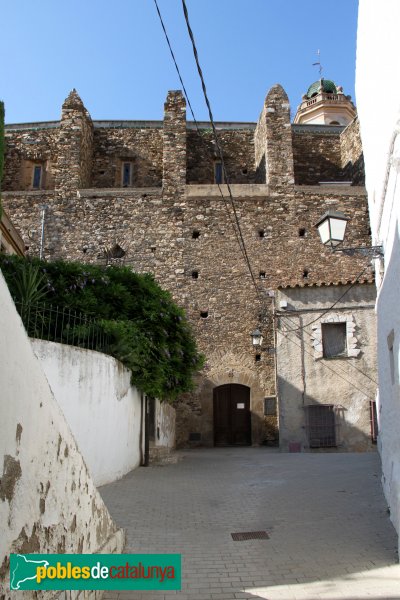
256,337
332,229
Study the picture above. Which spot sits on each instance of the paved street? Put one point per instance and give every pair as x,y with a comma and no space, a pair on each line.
330,535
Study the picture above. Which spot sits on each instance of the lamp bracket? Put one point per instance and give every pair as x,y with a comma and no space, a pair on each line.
371,251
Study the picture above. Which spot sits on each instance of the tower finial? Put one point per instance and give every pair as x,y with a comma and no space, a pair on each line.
318,63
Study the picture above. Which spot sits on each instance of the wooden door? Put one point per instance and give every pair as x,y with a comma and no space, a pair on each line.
232,420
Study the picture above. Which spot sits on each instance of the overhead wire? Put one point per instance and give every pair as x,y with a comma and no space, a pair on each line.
238,232
350,364
324,364
221,156
194,118
336,302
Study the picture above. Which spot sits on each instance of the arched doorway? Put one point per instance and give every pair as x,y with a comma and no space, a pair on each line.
232,418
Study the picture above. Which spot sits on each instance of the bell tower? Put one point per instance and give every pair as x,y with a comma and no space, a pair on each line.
325,104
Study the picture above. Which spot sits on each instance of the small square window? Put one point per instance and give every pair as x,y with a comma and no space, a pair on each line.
37,177
334,339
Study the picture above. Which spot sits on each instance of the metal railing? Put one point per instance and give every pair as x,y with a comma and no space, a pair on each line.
64,325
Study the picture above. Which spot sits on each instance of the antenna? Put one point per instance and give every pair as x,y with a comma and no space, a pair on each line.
319,64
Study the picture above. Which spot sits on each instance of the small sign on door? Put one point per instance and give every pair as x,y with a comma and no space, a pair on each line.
240,405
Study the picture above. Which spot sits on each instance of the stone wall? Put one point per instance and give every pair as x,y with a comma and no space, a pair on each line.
48,500
73,168
36,145
207,274
273,141
237,148
352,154
184,234
142,146
316,154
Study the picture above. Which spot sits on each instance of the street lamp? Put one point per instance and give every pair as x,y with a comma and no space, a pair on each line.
256,337
332,227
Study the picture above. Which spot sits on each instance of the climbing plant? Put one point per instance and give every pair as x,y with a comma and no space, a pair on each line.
146,330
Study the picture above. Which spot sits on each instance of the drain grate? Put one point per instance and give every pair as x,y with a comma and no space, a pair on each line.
250,535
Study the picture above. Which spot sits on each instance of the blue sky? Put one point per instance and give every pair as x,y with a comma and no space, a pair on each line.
114,53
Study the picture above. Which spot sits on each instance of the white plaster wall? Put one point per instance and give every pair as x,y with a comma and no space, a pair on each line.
305,377
100,405
48,501
378,101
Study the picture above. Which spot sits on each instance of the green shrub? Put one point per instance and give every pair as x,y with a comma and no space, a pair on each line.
144,328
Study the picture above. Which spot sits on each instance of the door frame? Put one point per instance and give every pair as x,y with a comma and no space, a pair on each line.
249,432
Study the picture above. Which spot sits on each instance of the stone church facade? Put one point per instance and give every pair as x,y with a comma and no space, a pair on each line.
145,194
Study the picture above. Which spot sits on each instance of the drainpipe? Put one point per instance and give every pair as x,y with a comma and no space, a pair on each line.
141,430
146,432
43,213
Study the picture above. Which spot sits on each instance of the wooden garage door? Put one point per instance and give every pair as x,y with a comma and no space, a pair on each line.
232,420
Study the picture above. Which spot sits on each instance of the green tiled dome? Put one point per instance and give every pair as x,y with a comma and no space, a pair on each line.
327,86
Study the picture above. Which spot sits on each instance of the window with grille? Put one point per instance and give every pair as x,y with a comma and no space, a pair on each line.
321,425
334,339
270,406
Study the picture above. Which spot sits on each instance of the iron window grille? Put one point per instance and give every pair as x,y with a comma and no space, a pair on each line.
321,426
270,406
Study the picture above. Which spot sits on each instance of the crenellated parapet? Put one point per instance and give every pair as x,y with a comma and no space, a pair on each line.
73,166
174,143
273,141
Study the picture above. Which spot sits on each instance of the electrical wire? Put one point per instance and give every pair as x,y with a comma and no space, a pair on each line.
328,367
336,302
320,341
195,121
203,85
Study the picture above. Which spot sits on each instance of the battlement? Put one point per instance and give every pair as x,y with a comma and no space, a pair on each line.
77,152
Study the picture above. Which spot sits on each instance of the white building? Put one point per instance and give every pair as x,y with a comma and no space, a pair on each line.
378,103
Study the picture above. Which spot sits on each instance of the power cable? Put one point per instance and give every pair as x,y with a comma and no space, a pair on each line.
336,302
195,120
328,367
203,85
329,347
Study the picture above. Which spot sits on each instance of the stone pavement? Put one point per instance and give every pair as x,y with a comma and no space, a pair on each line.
330,534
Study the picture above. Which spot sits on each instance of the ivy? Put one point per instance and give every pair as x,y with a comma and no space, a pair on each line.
149,333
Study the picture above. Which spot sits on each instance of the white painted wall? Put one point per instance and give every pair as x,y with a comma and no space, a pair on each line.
100,405
378,101
305,377
48,500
